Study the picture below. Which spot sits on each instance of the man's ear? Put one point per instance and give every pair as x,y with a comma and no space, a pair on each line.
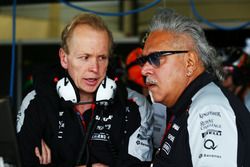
191,63
63,58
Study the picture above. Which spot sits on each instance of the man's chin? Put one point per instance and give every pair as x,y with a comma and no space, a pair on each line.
89,89
157,99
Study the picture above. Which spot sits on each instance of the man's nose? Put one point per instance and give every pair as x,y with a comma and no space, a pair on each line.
146,69
94,66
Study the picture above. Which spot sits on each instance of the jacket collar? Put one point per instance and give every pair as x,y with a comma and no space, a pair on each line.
184,100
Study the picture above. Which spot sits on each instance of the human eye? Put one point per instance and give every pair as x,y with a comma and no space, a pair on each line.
83,57
102,58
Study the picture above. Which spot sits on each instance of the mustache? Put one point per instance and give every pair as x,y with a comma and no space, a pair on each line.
150,81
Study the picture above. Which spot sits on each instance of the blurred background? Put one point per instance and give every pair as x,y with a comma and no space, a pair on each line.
30,30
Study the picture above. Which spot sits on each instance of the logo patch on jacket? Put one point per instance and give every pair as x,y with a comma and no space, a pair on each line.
61,125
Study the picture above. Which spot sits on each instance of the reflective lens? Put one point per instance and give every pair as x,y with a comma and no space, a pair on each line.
154,58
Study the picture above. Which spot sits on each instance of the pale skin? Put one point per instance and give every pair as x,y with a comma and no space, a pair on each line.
86,63
45,156
87,60
176,71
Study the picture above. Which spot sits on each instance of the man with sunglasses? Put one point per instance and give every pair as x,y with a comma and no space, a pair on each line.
209,126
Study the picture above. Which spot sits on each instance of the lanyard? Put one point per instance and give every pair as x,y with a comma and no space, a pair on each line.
169,124
172,130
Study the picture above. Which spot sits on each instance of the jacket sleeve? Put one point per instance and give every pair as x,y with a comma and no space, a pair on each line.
29,129
140,142
212,134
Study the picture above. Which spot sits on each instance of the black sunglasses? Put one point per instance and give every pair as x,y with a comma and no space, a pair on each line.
154,58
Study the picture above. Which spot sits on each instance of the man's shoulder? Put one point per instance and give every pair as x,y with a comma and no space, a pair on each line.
210,94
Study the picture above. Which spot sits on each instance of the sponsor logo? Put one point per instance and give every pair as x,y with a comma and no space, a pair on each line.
209,113
206,122
208,156
60,133
211,132
105,119
171,137
142,144
61,113
176,127
127,109
209,144
166,148
100,136
200,156
209,124
107,126
61,125
101,127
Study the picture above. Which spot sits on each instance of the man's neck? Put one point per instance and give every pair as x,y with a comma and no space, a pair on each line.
86,97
